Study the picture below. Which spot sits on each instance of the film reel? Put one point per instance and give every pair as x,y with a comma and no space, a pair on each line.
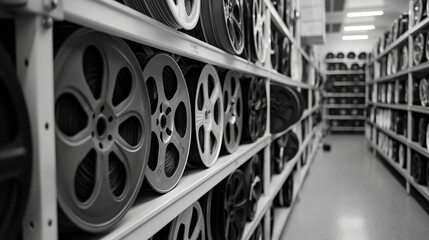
394,61
340,55
262,120
254,108
275,54
278,148
190,224
330,55
286,107
177,14
292,146
419,9
285,196
233,111
416,92
351,55
226,208
102,135
208,115
401,156
419,48
253,185
422,132
15,150
170,110
285,57
362,55
258,35
423,92
222,25
403,60
427,137
418,168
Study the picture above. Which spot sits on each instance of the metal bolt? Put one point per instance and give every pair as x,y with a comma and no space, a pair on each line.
47,22
54,4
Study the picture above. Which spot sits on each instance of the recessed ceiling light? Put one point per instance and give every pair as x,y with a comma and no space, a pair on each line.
365,14
359,28
355,37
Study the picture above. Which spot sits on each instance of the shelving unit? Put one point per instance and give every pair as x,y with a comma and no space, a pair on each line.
378,83
34,60
344,96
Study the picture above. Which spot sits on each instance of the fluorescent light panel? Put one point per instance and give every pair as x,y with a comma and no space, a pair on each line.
365,14
355,37
359,28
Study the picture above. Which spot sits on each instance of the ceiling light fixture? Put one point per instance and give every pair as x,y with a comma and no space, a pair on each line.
355,37
365,14
359,28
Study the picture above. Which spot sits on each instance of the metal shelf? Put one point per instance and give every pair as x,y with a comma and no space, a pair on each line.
403,107
423,190
344,72
344,60
281,215
403,38
345,95
349,83
153,212
344,106
394,135
135,26
338,117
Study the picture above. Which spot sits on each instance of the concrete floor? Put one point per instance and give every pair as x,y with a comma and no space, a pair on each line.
350,195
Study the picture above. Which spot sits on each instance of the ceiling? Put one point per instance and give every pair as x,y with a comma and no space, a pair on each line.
392,9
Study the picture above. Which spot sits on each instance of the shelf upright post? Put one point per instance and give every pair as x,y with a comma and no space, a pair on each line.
410,93
34,50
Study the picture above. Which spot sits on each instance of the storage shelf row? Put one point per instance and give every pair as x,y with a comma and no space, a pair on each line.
344,72
339,117
153,211
344,106
344,94
402,39
403,107
421,189
281,215
347,129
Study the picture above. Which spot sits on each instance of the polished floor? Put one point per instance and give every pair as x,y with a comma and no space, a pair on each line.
350,195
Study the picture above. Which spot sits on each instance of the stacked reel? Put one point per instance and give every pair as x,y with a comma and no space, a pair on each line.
190,224
170,111
287,107
283,149
15,150
103,133
253,180
285,196
255,108
207,115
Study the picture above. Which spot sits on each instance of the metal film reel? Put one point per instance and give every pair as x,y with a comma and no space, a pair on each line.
285,196
340,55
362,55
394,61
102,129
253,184
401,156
416,92
170,111
226,208
427,137
418,168
258,35
423,92
419,48
286,107
330,55
292,146
233,111
403,60
15,150
422,132
174,13
208,115
189,225
254,108
419,8
351,55
223,24
285,57
275,50
403,23
279,152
